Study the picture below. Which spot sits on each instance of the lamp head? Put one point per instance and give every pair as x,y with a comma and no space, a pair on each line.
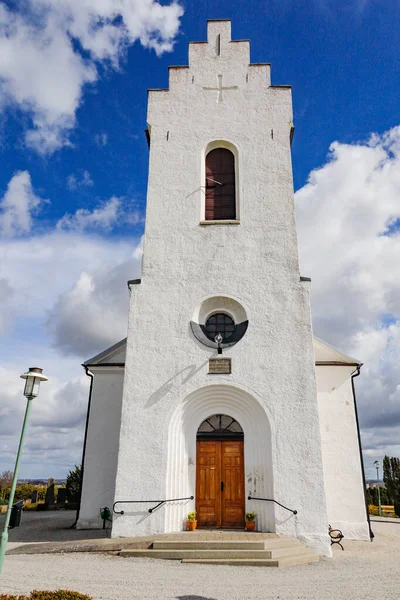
32,381
218,338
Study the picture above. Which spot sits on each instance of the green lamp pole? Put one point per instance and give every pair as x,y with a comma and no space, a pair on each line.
376,463
33,378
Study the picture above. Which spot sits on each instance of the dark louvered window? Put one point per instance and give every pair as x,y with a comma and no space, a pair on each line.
220,185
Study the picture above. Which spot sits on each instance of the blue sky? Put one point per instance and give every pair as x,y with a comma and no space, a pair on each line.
77,187
340,57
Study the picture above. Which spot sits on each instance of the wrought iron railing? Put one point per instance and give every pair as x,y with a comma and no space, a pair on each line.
272,500
150,510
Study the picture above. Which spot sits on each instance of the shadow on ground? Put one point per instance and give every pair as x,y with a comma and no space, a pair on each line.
194,598
51,526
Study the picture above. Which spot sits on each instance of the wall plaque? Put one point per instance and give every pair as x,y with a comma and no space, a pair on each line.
219,366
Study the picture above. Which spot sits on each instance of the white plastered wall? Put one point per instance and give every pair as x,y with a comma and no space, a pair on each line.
254,262
102,445
340,452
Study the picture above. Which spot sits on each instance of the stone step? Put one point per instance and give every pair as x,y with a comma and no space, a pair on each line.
274,552
226,544
291,560
245,562
208,544
179,554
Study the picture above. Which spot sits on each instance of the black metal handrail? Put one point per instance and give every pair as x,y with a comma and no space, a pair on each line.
159,503
272,500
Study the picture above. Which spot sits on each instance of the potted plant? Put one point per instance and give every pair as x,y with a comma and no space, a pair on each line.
250,522
191,522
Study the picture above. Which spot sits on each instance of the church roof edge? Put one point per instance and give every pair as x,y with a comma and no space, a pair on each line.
349,360
343,359
96,360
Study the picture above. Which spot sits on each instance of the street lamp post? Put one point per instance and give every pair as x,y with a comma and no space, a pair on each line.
33,378
376,463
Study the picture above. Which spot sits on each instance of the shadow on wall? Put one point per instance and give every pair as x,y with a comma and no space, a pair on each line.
190,371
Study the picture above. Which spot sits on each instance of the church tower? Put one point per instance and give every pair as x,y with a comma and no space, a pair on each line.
219,399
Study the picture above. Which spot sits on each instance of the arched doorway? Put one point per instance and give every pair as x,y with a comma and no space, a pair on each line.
182,428
220,499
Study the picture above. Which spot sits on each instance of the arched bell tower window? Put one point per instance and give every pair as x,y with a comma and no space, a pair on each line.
220,185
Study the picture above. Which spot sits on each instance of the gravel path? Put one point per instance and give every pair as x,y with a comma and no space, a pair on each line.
363,570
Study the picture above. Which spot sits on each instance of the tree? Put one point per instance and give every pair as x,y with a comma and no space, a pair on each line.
73,484
372,496
6,478
41,490
24,491
391,477
384,496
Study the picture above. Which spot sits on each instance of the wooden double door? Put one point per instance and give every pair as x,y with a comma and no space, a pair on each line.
220,498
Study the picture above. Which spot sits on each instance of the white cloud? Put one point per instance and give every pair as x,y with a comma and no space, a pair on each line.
104,217
6,295
115,211
17,205
40,269
60,292
43,73
349,245
92,315
55,429
74,182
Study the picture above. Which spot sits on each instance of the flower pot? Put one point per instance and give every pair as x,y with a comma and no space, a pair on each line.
3,508
191,525
250,525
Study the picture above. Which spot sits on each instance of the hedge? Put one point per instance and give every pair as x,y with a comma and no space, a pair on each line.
47,595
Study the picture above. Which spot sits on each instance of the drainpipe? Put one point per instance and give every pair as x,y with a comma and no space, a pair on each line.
89,374
354,375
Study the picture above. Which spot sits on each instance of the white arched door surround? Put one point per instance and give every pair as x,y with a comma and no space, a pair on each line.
181,455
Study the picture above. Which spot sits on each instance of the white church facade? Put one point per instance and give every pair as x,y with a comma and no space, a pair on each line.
220,400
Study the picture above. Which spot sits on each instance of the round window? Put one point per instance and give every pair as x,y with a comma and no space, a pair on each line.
219,323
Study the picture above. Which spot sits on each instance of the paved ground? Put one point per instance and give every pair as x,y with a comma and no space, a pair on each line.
362,571
52,526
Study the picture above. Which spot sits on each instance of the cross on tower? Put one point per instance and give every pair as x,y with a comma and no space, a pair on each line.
219,88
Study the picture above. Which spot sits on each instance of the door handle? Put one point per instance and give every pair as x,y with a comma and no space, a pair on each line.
222,486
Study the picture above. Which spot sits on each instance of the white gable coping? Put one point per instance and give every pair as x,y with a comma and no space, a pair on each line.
325,354
115,355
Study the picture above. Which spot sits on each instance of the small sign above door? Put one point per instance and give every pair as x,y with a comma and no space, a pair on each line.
219,366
